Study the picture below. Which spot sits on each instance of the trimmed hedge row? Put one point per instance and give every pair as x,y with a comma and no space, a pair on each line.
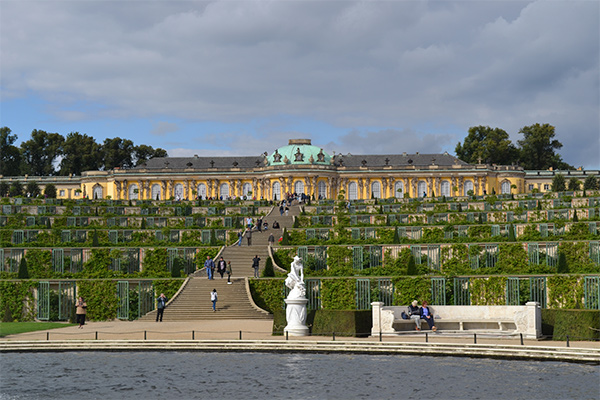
328,322
577,324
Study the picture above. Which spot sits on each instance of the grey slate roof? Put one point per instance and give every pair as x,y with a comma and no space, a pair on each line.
352,161
398,160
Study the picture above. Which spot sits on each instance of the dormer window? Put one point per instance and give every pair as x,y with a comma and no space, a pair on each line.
235,164
276,156
364,163
212,163
189,165
321,156
298,156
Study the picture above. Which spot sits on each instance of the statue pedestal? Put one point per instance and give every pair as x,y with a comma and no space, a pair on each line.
295,314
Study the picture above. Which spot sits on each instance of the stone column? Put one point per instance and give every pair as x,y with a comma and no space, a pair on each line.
414,188
118,190
368,188
384,187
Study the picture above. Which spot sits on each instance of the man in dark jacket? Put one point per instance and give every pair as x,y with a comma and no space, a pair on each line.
255,265
161,303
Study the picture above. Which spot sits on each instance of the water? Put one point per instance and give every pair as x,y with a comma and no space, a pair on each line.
196,375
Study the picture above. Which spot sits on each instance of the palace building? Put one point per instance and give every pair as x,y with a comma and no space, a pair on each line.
301,167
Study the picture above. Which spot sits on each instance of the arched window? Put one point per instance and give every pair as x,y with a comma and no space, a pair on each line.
399,190
322,187
178,191
505,187
468,187
376,190
224,191
247,189
276,191
422,189
156,192
352,191
201,191
299,187
133,192
445,188
97,193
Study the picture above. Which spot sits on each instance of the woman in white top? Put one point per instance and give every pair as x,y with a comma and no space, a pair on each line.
213,298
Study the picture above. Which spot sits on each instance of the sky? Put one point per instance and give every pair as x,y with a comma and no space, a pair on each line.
243,77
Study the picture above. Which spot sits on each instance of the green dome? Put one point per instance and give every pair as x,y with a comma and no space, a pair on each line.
299,151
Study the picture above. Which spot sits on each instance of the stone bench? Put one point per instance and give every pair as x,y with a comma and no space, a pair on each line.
526,320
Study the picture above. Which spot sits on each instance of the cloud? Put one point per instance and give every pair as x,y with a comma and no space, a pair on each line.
395,66
162,128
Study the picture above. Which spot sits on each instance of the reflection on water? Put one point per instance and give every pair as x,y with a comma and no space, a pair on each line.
190,375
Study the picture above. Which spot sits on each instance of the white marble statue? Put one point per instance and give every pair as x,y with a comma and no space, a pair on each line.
296,301
295,280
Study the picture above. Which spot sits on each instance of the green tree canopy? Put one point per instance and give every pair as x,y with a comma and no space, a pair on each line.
50,191
574,184
33,189
144,152
538,148
488,145
559,183
80,153
40,152
10,155
590,183
117,152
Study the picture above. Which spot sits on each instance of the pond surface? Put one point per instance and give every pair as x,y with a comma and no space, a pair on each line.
196,375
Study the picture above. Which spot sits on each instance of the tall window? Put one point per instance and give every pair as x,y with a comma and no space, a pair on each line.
97,192
133,192
299,187
505,187
399,190
224,191
202,191
352,191
445,188
246,189
156,192
178,191
468,187
276,191
376,190
422,188
322,189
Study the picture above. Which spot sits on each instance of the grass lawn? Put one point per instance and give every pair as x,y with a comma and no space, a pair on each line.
11,328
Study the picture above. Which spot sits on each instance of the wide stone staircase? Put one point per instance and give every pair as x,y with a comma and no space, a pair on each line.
193,301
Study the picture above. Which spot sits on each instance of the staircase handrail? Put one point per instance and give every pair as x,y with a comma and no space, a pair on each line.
183,285
251,300
277,267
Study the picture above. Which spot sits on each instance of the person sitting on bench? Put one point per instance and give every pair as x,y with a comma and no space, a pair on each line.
427,315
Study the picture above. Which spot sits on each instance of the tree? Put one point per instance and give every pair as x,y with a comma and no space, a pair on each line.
562,267
33,189
268,272
117,152
4,189
41,152
537,149
10,156
559,183
484,144
574,184
80,153
23,272
16,189
411,268
50,191
143,153
590,183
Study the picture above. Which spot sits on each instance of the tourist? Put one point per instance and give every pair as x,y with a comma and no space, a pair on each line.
209,264
229,271
255,265
265,226
414,313
427,315
249,222
287,210
259,224
249,236
213,298
161,303
271,240
221,267
80,312
275,225
240,237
